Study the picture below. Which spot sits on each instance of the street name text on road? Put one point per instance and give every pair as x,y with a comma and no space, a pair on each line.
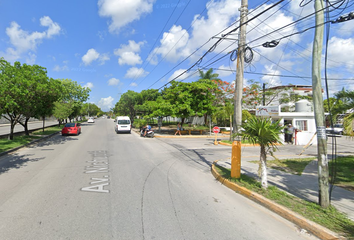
99,164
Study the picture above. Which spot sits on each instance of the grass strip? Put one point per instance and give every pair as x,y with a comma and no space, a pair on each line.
18,141
47,131
330,217
244,141
293,166
345,171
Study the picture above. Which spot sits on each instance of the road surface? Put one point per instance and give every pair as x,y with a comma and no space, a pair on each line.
103,185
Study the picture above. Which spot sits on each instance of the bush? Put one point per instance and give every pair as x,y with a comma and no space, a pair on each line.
139,123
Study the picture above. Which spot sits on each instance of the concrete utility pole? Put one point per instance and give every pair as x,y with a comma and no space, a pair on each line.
323,173
236,145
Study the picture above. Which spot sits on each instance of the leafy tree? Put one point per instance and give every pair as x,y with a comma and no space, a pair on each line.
14,89
144,99
71,100
224,91
42,93
126,105
264,132
90,109
225,112
344,103
185,99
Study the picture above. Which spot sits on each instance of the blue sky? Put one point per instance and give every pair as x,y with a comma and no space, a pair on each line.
112,46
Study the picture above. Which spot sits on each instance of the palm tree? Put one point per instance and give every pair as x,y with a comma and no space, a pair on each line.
264,132
208,75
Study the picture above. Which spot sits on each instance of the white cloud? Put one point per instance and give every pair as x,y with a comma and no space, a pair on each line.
113,82
337,48
345,29
133,84
58,68
90,56
177,73
173,45
123,12
272,81
129,58
93,55
23,41
89,85
135,72
128,53
225,72
106,103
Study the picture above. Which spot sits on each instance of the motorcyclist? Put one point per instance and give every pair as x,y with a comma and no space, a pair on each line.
146,129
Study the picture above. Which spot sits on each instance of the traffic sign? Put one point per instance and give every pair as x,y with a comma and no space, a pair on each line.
216,129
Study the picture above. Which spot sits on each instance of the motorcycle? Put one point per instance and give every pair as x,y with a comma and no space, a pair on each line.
150,133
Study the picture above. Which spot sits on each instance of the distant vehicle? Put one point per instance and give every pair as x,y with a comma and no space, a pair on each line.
71,128
337,129
91,120
123,124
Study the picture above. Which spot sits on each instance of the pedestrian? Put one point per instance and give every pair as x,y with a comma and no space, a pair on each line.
290,132
179,128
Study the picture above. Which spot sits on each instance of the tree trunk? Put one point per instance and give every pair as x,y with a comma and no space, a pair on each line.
12,126
230,127
26,127
263,168
43,123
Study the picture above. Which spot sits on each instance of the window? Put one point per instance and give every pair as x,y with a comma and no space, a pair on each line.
123,122
301,125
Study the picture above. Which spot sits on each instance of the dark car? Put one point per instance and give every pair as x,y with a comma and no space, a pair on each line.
71,128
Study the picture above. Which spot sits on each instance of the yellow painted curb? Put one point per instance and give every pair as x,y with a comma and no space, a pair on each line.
243,144
314,228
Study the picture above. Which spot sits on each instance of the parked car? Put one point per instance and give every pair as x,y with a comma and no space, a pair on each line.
71,128
91,120
337,129
123,124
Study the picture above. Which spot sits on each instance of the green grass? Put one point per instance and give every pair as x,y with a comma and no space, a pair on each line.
345,171
18,141
293,166
6,144
48,131
330,217
244,141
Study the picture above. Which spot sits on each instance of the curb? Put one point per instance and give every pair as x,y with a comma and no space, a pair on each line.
27,144
316,229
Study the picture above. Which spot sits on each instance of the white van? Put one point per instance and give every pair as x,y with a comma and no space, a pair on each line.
123,124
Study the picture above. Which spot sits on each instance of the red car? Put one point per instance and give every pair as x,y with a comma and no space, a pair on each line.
71,128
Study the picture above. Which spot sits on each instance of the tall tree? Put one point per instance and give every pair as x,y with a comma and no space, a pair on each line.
264,132
71,100
186,99
208,75
13,93
126,104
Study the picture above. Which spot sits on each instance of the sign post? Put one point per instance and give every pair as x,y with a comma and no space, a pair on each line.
216,130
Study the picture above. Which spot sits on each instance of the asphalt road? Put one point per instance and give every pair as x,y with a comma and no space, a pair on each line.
5,128
103,185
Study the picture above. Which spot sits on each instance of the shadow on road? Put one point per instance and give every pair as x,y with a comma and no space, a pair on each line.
16,161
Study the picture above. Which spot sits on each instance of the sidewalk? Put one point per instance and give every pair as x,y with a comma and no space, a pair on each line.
304,186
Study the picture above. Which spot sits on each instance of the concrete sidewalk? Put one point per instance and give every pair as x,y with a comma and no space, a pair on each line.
304,186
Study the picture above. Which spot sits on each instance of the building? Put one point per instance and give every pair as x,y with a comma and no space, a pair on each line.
303,118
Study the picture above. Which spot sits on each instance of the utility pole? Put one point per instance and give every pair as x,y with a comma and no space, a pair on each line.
323,173
236,145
